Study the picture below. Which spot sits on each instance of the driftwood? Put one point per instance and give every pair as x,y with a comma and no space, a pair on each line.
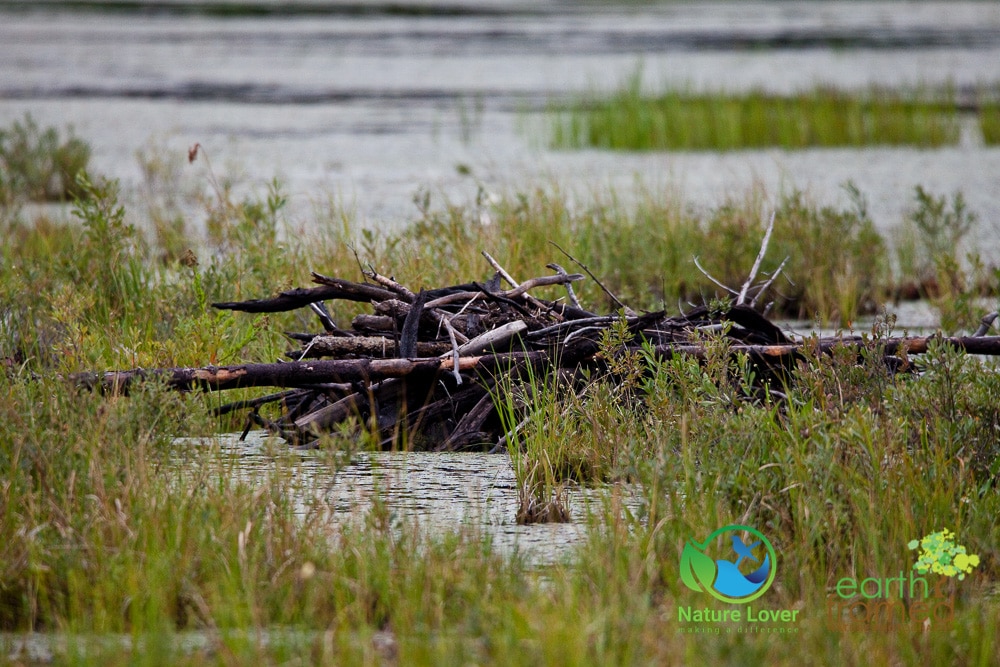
421,369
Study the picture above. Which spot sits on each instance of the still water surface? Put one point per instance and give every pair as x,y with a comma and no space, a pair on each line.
435,491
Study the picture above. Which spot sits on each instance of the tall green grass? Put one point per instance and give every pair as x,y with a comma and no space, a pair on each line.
646,253
844,472
630,119
112,528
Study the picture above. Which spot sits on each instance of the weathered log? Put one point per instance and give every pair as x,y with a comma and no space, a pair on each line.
299,373
493,339
376,347
364,322
310,373
408,336
320,420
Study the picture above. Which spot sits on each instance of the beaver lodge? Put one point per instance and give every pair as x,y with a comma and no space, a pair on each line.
424,369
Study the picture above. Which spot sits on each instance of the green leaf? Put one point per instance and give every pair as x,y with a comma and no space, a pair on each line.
697,569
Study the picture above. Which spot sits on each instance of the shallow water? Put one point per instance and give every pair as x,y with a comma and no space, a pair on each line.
365,107
436,491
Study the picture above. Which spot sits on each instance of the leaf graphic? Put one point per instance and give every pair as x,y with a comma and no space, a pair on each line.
697,569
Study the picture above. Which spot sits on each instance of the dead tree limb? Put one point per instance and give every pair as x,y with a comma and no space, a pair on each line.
298,373
741,299
303,296
622,306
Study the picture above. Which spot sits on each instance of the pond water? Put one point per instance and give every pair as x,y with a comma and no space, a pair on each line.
435,491
362,104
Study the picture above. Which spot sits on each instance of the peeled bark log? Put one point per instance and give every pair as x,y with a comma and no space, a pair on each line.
376,347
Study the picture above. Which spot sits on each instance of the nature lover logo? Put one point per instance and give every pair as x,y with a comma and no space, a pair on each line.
735,564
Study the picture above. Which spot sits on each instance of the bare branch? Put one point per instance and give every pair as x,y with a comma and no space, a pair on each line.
741,299
712,278
454,350
774,276
985,324
499,269
628,311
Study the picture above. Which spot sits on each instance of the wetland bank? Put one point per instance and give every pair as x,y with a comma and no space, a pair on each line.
119,522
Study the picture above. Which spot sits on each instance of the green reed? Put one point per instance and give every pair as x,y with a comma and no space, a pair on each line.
989,122
630,119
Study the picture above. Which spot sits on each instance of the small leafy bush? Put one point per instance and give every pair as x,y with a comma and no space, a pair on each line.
38,165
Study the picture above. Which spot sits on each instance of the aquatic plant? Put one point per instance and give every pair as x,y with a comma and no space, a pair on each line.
631,119
989,122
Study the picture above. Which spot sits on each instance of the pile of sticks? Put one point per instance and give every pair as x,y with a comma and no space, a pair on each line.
422,369
426,366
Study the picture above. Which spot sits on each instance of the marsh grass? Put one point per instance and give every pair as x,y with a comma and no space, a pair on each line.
645,253
631,119
104,537
846,471
549,422
989,123
113,527
989,114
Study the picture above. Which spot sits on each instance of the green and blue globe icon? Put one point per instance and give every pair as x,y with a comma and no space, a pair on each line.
735,564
